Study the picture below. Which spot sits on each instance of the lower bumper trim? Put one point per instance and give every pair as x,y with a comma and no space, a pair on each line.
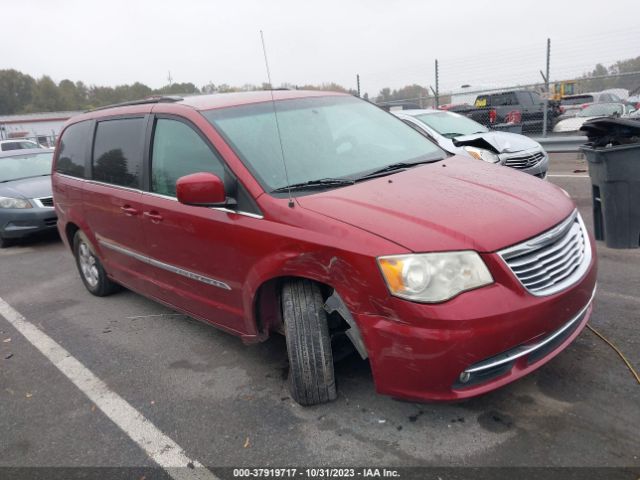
503,362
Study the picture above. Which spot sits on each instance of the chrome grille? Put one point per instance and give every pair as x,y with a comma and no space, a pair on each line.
521,161
45,202
553,260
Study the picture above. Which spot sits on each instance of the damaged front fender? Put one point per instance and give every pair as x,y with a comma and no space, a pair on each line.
335,304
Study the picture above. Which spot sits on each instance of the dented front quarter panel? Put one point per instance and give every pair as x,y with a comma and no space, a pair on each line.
306,244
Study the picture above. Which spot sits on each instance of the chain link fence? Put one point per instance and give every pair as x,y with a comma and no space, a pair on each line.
541,90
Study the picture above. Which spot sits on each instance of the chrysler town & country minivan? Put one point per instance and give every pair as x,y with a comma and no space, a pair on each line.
320,216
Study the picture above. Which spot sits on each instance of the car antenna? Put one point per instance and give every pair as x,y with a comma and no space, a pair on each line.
275,114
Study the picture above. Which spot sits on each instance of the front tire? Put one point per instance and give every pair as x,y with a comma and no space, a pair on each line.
91,270
311,375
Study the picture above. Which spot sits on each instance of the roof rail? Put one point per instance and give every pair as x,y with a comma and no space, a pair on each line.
152,99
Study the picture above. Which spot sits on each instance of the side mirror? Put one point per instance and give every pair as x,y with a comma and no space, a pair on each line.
201,189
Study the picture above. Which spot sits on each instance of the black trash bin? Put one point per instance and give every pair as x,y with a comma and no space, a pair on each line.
613,155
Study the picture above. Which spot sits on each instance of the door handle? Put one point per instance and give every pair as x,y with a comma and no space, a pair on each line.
128,210
154,216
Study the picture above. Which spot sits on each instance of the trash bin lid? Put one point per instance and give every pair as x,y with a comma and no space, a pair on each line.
612,131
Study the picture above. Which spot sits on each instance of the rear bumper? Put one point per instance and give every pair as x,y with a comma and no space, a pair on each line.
18,223
495,334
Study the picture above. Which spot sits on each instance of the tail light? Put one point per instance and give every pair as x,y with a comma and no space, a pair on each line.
513,117
584,105
562,109
492,115
637,107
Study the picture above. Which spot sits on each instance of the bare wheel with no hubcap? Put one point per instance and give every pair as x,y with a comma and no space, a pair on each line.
91,271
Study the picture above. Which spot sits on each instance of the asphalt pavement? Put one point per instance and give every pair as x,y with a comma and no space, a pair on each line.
226,404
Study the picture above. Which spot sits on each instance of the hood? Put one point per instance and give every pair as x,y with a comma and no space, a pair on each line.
499,142
34,187
455,204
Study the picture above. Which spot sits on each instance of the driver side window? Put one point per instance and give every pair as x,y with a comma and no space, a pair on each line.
178,151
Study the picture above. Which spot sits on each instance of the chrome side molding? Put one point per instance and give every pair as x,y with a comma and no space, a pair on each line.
164,266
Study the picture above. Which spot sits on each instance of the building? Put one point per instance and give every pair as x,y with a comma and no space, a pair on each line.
41,127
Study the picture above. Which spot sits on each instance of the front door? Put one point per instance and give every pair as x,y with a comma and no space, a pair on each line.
191,249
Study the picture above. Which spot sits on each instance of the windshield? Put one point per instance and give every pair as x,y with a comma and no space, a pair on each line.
601,110
451,124
577,100
24,166
322,138
18,145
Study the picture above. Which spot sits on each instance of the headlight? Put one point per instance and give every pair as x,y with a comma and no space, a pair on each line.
482,154
434,277
6,202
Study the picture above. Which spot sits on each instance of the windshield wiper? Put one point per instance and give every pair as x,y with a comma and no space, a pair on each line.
394,167
24,178
452,134
315,184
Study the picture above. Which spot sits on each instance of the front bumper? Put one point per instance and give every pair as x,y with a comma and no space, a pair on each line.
538,170
18,222
421,351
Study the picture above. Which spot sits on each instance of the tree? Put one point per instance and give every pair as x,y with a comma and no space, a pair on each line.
625,66
384,95
100,96
46,96
70,98
178,88
16,91
602,78
209,88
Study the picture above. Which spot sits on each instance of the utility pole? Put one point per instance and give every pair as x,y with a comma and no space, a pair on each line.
437,92
169,78
545,114
358,83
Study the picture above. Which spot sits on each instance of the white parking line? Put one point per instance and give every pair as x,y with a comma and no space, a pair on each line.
160,448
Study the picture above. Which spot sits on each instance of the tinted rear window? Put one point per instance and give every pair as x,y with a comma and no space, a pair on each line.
578,100
502,99
73,150
117,151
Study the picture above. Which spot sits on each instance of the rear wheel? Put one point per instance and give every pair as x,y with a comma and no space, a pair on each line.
311,375
91,271
4,242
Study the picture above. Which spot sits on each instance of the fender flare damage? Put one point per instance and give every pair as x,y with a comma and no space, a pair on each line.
335,304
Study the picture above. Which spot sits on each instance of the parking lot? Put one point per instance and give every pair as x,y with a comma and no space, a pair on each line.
227,404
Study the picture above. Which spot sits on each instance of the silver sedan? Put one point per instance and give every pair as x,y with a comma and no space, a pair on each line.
460,135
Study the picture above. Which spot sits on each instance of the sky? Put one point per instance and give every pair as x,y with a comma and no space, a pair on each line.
388,43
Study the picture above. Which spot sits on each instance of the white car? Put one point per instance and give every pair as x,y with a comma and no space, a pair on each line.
571,105
460,135
17,144
597,110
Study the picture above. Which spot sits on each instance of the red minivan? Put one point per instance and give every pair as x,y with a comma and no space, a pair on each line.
322,217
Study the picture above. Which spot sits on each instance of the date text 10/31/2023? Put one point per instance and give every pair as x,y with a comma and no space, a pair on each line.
316,472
